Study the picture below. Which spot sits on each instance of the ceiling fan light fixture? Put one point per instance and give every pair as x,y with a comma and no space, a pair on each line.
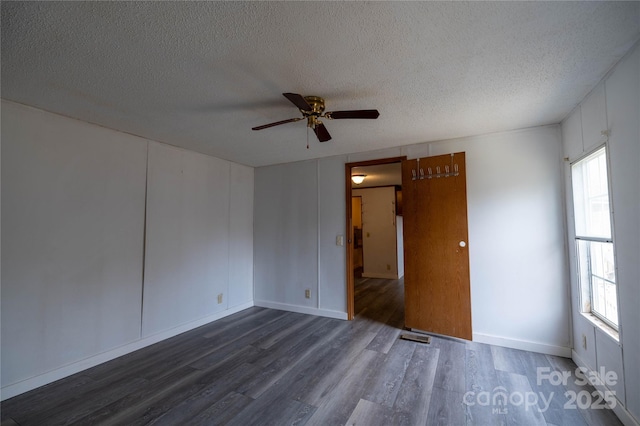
358,179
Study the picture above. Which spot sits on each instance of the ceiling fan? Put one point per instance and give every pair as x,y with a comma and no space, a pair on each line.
312,108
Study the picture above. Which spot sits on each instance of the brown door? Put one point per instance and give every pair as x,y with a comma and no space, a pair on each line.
436,256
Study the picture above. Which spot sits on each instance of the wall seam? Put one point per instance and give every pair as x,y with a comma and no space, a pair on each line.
229,187
564,172
144,239
613,235
318,233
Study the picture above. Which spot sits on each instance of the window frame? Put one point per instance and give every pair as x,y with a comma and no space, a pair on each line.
586,289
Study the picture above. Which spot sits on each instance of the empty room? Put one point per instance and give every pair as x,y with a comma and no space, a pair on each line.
320,213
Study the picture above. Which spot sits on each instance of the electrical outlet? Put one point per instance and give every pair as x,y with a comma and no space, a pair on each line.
220,298
584,342
307,294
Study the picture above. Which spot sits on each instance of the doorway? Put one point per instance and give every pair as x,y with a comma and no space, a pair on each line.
370,240
432,202
358,242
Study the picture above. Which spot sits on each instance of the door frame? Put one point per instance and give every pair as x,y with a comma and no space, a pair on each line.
349,225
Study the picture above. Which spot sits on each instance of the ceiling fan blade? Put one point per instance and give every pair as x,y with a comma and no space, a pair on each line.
359,113
298,100
277,123
322,133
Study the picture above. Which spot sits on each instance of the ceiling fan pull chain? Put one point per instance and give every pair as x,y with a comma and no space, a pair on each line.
307,137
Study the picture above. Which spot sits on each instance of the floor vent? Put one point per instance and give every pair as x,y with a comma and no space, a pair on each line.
416,337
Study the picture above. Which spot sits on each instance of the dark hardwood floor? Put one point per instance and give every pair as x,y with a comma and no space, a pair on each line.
268,367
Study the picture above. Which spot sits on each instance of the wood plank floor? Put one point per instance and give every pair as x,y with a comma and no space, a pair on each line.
269,367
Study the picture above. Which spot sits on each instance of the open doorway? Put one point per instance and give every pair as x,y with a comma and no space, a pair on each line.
358,242
374,224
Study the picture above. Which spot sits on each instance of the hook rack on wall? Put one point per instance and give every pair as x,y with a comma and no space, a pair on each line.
449,170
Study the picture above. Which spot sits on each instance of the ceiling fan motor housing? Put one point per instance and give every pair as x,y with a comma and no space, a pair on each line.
317,108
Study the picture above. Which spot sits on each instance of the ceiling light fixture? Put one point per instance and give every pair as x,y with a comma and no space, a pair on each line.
358,179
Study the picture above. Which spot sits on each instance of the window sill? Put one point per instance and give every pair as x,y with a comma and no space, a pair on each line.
603,326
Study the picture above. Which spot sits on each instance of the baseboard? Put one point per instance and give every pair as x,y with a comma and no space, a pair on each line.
524,345
620,410
301,309
26,385
579,361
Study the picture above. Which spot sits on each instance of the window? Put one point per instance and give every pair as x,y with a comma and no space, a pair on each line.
594,241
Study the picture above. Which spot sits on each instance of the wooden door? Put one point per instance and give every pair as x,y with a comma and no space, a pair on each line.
436,256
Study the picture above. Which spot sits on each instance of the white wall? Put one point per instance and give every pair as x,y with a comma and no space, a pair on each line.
188,237
299,211
331,223
516,233
72,240
379,249
613,106
73,244
240,252
286,235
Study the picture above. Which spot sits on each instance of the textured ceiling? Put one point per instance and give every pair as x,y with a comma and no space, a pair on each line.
201,74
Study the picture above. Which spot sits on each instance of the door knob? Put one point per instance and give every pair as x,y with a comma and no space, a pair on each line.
462,244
